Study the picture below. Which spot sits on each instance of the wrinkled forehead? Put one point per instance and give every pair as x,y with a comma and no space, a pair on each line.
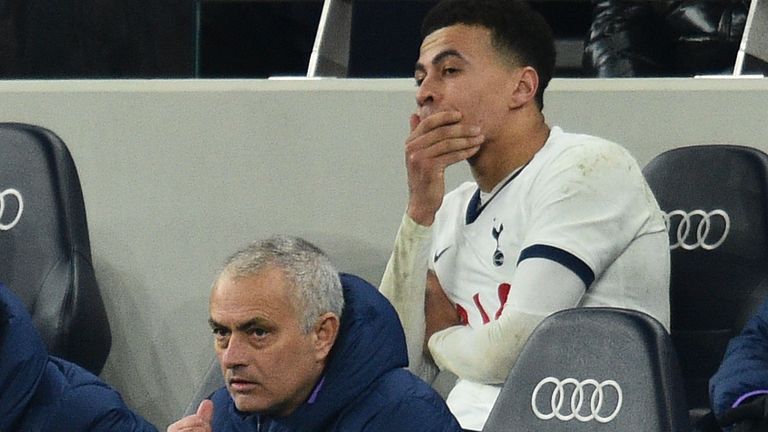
270,284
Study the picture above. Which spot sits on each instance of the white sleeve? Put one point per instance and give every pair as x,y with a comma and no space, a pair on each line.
486,354
404,285
591,202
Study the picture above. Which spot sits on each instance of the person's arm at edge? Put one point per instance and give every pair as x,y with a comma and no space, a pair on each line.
433,144
744,368
404,285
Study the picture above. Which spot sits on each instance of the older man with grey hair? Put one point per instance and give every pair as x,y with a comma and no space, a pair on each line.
302,348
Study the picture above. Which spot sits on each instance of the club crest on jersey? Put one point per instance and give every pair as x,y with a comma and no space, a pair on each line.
498,255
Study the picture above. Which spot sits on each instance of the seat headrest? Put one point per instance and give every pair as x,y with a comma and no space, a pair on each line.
594,369
45,255
717,190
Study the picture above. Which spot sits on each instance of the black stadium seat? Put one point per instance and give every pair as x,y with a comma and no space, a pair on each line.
715,198
45,255
593,369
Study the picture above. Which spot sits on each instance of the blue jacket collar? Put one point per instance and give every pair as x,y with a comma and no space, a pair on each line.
371,343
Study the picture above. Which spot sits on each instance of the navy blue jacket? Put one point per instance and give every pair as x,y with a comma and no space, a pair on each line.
41,393
744,370
364,387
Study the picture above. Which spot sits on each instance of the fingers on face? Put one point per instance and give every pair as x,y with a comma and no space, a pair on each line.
450,158
439,143
435,120
437,137
440,140
444,154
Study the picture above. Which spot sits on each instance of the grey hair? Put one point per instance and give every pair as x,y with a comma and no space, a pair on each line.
316,283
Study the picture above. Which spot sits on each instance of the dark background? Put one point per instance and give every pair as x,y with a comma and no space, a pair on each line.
217,39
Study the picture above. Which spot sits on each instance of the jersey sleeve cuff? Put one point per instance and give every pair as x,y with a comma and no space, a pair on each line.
567,259
409,229
439,351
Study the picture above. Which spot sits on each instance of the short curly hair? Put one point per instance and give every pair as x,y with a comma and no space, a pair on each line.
519,34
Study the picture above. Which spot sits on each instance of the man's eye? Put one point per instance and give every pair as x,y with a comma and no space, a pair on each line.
259,332
419,80
220,332
449,71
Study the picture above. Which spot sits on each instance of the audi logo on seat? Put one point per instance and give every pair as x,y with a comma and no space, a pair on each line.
697,229
9,221
549,401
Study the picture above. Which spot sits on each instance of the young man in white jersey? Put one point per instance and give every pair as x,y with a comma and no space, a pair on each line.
553,220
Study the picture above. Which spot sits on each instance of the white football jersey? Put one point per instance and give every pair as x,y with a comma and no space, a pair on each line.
581,201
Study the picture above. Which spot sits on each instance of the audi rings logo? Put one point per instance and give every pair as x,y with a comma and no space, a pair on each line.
697,229
14,209
567,400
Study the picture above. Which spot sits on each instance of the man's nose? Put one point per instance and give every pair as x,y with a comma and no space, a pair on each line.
425,94
235,353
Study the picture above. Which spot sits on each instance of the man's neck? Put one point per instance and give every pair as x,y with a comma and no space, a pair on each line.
503,157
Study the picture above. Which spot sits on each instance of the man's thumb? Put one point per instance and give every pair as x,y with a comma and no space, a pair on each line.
205,410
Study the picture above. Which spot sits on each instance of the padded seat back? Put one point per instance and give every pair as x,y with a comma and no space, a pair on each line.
45,255
593,369
716,201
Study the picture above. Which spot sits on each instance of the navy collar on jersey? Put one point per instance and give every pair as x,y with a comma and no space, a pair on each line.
474,208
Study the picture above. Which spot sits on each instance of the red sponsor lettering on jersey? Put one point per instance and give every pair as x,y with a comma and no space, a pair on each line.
462,314
480,308
503,291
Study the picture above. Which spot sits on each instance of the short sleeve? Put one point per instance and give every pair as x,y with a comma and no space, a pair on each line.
591,201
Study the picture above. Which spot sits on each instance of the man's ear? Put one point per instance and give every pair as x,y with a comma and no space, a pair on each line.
325,332
524,86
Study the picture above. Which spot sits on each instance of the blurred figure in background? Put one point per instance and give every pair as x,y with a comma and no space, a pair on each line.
630,38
